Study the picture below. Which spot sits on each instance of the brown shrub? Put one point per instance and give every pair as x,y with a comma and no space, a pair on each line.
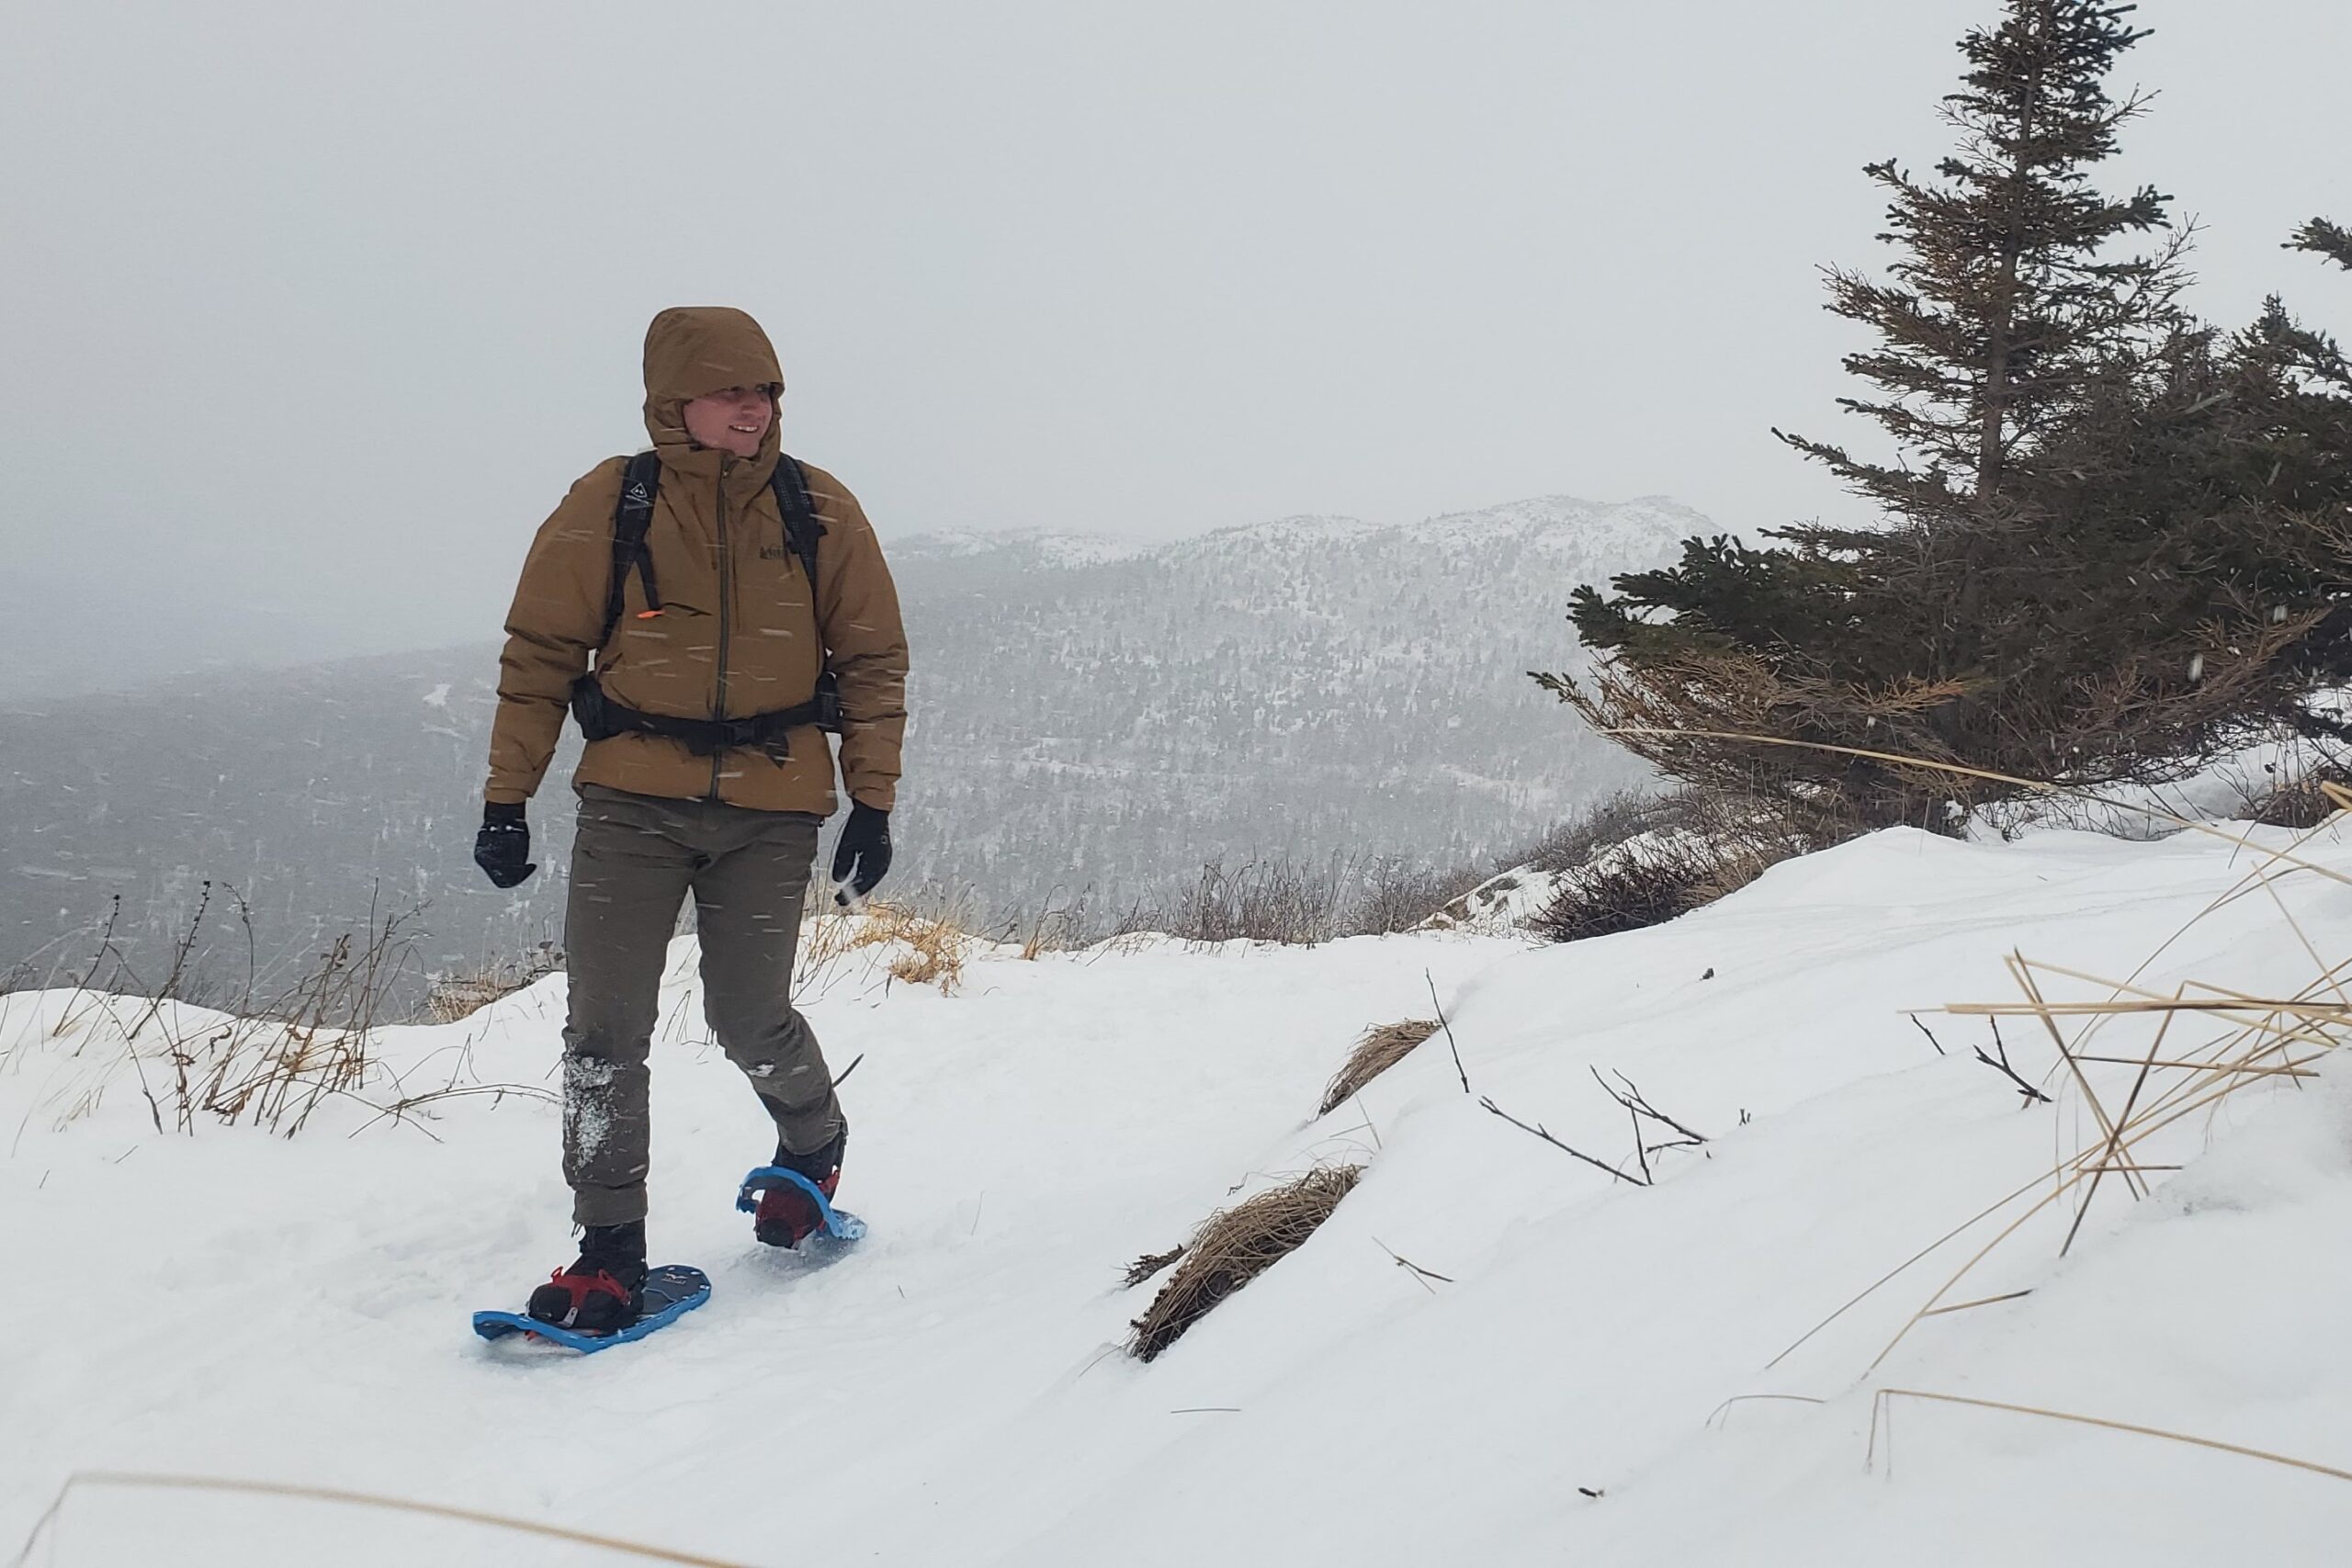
1234,1246
1650,884
2298,802
1265,900
1607,823
1398,895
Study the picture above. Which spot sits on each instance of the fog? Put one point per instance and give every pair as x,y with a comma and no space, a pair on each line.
310,314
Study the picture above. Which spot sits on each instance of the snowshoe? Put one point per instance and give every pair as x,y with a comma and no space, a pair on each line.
789,1207
668,1293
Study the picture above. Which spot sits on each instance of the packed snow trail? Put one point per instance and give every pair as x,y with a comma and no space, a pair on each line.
295,1310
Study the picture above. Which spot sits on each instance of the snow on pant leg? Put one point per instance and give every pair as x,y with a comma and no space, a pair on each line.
747,907
629,874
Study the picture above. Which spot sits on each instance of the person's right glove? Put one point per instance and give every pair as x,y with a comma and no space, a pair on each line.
503,848
863,854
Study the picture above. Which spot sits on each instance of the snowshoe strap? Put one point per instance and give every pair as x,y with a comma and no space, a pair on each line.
582,1286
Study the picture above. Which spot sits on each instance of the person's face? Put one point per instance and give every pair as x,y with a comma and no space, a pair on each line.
732,421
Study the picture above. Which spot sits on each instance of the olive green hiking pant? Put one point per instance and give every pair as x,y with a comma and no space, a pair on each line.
633,862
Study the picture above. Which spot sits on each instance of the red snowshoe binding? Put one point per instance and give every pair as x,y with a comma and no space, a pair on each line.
599,1293
787,1215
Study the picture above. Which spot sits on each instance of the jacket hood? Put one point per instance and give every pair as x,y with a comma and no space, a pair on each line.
693,350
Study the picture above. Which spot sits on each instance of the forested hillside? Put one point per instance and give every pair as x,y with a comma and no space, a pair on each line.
1090,721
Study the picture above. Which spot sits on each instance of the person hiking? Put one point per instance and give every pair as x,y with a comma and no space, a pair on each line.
708,610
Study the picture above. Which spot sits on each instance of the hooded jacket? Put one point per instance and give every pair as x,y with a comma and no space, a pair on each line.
738,633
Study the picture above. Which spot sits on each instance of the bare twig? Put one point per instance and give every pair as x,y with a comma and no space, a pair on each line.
1422,1276
2027,1094
1633,1099
1449,1045
1929,1033
1539,1131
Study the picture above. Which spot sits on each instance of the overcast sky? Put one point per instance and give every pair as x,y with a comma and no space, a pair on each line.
308,312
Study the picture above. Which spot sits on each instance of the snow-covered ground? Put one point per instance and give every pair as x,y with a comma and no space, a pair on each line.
1576,1389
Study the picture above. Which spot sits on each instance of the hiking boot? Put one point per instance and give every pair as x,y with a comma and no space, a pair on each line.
787,1215
600,1292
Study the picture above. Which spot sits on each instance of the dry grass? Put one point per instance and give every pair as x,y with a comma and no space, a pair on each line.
1234,1246
270,1065
1149,1264
453,998
933,947
48,1525
2200,1043
917,946
1382,1047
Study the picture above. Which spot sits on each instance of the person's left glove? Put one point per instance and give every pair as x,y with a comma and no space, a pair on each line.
503,848
863,854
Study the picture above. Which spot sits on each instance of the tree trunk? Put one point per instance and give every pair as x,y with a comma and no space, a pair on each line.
2001,329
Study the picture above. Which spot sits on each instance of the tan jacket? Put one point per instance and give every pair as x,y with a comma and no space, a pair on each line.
736,635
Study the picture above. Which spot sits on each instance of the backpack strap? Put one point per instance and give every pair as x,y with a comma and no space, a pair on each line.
640,482
801,527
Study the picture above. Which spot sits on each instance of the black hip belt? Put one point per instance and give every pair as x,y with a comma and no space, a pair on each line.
601,718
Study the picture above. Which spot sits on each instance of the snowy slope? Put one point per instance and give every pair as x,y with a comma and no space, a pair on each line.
295,1309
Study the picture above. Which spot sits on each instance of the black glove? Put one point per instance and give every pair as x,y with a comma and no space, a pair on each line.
862,853
503,848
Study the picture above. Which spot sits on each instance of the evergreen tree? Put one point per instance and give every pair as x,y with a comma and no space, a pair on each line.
2006,301
2112,542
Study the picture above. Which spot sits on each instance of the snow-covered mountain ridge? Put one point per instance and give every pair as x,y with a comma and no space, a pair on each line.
1308,687
1572,527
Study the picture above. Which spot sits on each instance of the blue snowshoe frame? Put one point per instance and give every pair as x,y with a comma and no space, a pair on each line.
671,1291
675,1288
840,1224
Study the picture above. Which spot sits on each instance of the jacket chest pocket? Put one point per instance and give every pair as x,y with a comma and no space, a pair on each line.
775,593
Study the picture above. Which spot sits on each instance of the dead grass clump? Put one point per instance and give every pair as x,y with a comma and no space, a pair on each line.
1382,1047
1233,1248
450,997
1149,1264
932,947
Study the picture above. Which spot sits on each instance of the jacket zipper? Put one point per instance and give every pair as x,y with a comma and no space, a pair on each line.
726,604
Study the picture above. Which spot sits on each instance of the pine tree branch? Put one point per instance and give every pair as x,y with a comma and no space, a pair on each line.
2323,238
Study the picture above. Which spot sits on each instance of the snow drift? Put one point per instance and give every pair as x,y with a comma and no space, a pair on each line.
1576,1368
